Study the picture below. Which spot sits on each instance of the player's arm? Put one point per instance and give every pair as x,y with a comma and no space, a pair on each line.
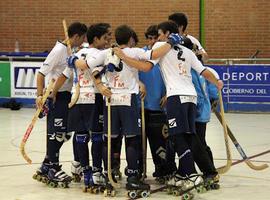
58,84
105,91
207,74
40,87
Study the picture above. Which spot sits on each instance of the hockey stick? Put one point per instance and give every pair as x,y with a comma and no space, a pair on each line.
224,169
76,94
143,140
31,126
238,147
109,138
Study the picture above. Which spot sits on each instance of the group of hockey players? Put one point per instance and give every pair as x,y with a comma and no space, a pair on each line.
167,75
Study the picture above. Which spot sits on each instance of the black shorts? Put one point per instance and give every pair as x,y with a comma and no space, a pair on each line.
85,117
181,116
124,119
58,114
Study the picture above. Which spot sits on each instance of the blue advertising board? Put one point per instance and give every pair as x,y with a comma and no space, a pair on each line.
245,84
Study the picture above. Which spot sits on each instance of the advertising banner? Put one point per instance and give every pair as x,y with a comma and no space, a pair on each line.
245,83
23,79
4,79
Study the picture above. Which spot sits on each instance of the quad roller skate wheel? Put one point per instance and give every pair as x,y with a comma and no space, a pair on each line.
44,179
109,193
187,196
63,185
35,176
201,189
52,184
145,194
176,193
215,186
132,194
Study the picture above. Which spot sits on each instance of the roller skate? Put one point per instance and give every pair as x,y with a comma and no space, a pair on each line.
41,174
175,184
109,190
58,178
211,182
88,179
76,171
99,182
137,188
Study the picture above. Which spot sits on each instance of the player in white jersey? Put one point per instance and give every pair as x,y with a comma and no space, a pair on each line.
181,105
182,21
52,68
87,113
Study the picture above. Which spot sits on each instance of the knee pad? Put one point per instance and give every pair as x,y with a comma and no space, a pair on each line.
60,136
82,138
96,137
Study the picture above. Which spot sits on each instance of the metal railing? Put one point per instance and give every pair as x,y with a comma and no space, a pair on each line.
238,61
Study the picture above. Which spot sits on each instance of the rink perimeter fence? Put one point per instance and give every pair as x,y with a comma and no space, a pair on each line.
246,81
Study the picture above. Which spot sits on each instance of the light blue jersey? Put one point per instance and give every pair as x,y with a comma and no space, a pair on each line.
154,86
205,90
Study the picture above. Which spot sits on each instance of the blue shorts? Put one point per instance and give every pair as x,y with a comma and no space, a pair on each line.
124,119
181,116
58,115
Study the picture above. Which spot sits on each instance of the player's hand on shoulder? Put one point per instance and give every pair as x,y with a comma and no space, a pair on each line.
71,61
174,39
118,51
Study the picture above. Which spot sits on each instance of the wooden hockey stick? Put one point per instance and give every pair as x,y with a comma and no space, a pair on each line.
224,169
143,140
32,124
76,94
239,148
109,138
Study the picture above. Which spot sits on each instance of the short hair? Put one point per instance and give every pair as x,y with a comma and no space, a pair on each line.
123,34
168,26
96,30
151,30
77,28
135,37
180,19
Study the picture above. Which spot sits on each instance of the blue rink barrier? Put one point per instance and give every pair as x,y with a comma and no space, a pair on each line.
246,87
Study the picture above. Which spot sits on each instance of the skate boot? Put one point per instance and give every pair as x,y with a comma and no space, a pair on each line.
57,177
194,181
76,171
41,174
99,182
109,190
175,184
211,182
88,179
136,188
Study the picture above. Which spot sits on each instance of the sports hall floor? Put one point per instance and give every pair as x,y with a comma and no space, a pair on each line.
240,183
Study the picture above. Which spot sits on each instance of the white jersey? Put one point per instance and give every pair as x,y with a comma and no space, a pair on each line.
55,64
87,86
177,72
125,81
195,41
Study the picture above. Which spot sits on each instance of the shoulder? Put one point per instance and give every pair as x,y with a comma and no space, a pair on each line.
158,44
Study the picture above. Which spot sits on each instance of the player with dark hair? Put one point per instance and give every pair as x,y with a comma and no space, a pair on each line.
57,134
182,21
181,105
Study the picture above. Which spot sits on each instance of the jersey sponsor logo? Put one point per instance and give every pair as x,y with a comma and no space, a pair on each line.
58,122
172,123
25,77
